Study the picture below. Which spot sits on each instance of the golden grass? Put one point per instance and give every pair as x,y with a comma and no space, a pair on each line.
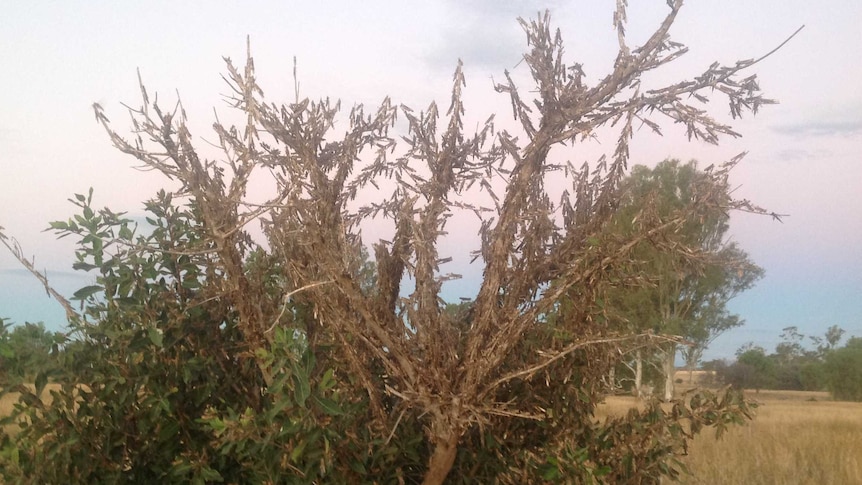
796,438
7,403
789,442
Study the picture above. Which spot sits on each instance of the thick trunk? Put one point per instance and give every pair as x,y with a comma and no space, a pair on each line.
669,371
639,373
441,460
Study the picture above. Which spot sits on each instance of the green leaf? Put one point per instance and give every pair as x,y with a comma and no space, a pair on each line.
10,452
181,469
277,407
602,471
358,467
210,475
217,425
126,233
329,406
301,388
327,381
59,226
551,473
296,453
81,266
308,361
86,292
156,336
6,351
191,283
41,382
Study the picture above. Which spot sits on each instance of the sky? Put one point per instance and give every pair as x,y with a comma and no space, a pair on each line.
804,154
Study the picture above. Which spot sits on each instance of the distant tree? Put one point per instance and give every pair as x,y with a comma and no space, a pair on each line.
829,341
26,351
207,356
6,351
844,371
686,293
792,366
753,370
791,347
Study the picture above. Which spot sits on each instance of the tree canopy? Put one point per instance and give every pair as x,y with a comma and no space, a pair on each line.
682,293
26,351
207,355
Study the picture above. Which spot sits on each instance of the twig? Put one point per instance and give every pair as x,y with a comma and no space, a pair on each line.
15,249
286,300
394,427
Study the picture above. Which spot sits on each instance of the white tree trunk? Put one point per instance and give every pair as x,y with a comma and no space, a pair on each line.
639,372
669,371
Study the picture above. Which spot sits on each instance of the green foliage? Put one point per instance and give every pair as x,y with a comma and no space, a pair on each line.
27,351
795,366
844,371
755,370
158,386
687,293
7,352
671,292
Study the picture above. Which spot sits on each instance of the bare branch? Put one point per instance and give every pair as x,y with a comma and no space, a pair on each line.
30,265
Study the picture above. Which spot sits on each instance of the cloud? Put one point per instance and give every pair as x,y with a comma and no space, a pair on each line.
52,274
482,33
801,155
821,128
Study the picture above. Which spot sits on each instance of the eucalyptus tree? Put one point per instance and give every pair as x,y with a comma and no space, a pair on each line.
681,293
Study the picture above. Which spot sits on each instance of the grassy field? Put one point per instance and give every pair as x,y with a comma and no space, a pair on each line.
796,438
791,441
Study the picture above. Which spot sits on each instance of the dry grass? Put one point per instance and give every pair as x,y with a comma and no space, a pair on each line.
791,441
8,401
796,438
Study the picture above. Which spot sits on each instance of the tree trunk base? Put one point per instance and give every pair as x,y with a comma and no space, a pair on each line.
441,461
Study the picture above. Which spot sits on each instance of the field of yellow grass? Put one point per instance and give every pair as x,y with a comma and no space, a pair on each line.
791,441
796,438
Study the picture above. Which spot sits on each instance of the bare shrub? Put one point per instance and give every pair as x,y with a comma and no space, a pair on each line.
502,391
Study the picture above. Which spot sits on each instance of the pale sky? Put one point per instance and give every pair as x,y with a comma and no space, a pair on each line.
805,154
